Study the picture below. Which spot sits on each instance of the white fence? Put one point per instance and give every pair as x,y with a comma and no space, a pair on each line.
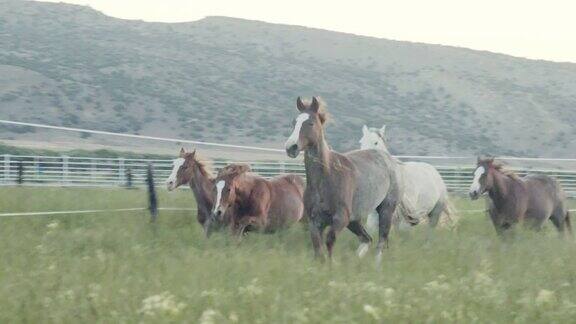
84,171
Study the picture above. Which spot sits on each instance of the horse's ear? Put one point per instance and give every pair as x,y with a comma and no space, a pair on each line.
182,152
300,105
315,105
382,131
365,130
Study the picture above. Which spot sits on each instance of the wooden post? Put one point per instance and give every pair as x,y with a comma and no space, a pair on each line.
152,198
64,169
121,171
20,177
6,167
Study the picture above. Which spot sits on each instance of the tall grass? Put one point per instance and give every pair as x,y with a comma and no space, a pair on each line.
118,267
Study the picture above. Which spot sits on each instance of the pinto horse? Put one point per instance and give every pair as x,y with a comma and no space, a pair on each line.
531,199
342,189
255,203
188,169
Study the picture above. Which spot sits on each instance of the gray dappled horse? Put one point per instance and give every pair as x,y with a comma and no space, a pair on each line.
425,196
341,189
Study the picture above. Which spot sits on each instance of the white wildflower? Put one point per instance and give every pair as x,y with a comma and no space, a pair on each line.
53,225
435,286
94,291
100,255
372,311
233,317
545,297
162,303
252,289
208,316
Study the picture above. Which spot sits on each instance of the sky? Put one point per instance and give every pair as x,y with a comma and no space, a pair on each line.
537,29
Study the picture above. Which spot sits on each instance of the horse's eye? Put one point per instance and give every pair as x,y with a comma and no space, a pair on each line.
375,143
310,124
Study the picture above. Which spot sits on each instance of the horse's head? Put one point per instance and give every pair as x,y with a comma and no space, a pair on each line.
373,138
227,187
234,169
483,177
308,127
182,169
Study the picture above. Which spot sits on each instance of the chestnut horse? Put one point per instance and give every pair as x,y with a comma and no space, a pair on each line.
255,203
188,169
342,189
531,199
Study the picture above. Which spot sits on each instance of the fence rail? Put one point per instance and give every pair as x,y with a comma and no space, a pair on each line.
85,171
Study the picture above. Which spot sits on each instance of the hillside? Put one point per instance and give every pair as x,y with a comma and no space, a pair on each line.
236,81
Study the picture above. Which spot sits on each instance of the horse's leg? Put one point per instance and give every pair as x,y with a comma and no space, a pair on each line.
569,226
365,239
372,222
316,233
496,221
339,220
385,213
434,217
558,218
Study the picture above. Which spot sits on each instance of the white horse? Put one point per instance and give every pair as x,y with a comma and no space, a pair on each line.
425,195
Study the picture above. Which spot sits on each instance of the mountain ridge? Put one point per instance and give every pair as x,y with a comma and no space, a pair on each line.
235,80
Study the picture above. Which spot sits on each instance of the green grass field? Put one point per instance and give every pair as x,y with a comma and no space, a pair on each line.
117,267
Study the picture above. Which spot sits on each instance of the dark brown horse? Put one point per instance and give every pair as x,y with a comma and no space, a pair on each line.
254,203
188,169
342,189
531,199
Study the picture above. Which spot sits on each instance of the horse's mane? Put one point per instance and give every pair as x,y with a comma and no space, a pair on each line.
501,167
204,165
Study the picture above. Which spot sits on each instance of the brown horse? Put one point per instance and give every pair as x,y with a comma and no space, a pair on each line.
531,199
342,189
254,203
188,169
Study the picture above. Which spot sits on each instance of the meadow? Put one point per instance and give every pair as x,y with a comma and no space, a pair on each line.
119,268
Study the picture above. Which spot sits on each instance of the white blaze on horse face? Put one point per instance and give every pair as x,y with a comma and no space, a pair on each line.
219,187
293,139
371,140
475,187
171,181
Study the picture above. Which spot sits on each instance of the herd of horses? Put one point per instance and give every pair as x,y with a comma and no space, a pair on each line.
348,190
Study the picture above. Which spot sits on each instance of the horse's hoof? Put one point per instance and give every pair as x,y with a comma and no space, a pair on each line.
363,249
379,258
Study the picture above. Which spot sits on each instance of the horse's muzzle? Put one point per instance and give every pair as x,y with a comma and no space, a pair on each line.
292,151
474,195
218,214
170,185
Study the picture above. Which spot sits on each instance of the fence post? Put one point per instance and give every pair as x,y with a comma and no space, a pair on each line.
129,178
20,177
36,169
121,171
64,169
152,198
6,167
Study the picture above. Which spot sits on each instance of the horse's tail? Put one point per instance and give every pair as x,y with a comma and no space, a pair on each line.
450,218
